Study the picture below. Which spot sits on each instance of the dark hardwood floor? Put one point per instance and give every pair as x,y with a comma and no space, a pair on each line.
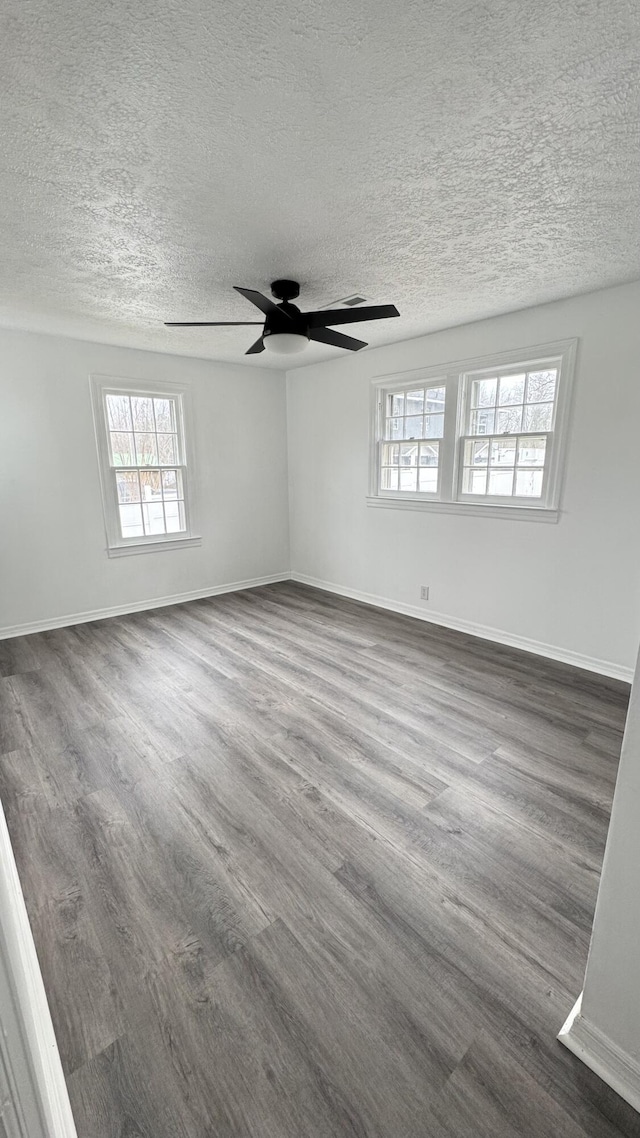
300,868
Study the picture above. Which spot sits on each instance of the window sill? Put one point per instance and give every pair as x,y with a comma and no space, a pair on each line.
152,546
513,513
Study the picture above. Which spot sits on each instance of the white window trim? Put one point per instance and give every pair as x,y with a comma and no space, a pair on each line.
118,546
453,377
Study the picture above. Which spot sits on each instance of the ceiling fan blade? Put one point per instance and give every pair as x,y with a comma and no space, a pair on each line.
328,336
210,323
269,307
255,348
349,315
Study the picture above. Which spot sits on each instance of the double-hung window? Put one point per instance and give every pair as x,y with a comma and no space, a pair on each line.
412,433
480,435
144,465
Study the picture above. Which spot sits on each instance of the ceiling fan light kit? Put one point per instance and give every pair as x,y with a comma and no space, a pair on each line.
287,330
285,343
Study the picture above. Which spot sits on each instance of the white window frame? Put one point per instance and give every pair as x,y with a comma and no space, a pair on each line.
118,546
455,378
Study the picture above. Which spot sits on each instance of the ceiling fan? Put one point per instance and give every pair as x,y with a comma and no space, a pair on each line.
287,329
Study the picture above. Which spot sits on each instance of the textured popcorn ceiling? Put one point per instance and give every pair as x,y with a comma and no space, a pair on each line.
460,159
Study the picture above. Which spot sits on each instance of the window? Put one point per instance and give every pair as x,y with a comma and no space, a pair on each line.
417,419
142,447
481,435
508,421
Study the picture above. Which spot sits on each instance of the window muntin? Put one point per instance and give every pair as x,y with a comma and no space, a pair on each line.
499,443
145,456
411,436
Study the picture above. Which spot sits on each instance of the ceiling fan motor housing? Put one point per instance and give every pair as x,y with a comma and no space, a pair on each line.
292,320
287,318
285,290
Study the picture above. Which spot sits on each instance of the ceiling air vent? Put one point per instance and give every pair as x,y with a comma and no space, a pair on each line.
347,301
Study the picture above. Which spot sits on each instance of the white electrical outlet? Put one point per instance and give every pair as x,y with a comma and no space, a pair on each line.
424,593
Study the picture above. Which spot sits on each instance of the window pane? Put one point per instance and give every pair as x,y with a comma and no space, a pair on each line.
131,521
146,451
153,515
122,453
390,455
165,418
397,404
429,454
503,452
142,411
172,483
414,402
474,481
408,478
390,478
119,412
167,450
482,422
409,455
483,392
508,420
541,386
175,516
434,426
529,483
537,417
476,454
435,399
500,482
511,389
128,486
531,451
413,427
428,480
150,484
394,429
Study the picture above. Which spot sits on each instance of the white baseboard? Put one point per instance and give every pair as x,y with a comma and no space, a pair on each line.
619,1070
484,631
137,606
35,1102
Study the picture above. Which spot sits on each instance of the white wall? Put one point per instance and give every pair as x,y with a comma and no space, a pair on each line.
571,589
53,560
34,1102
611,998
603,1029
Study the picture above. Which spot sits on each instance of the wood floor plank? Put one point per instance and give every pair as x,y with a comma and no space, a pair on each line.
19,654
121,1094
157,894
86,1006
263,1072
297,866
562,876
271,649
489,1096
